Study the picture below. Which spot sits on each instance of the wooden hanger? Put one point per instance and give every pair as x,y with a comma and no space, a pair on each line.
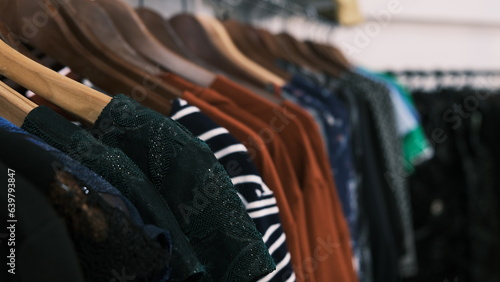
36,55
282,48
139,37
331,54
314,61
289,51
13,106
9,38
289,48
13,41
163,31
198,41
286,47
157,25
241,38
57,40
266,46
224,42
68,94
297,51
94,28
268,42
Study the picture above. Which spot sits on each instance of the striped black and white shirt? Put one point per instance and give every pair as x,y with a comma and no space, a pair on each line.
258,199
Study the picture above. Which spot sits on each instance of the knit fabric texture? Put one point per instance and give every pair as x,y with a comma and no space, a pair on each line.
198,190
89,178
105,238
114,166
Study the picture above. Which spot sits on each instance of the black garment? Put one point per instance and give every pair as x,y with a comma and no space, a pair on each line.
105,238
114,166
455,195
373,198
357,118
89,179
198,190
43,249
390,158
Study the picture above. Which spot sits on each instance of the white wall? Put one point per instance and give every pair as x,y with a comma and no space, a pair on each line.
460,11
425,34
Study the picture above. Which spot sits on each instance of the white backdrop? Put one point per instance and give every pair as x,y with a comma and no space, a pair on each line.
400,34
426,34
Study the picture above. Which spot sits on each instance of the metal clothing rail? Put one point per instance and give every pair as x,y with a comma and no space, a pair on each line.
247,10
436,79
182,3
274,15
444,72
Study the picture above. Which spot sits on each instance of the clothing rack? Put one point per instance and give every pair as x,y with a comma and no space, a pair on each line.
248,10
183,4
302,19
437,79
274,158
443,72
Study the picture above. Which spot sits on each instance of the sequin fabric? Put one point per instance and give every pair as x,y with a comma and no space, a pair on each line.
114,166
198,190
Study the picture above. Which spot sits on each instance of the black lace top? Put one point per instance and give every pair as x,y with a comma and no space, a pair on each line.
114,166
198,190
106,239
42,239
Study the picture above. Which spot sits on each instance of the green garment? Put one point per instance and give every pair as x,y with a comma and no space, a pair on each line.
114,166
416,147
199,192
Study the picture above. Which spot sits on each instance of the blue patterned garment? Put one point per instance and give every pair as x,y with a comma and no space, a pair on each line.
332,116
90,179
103,203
